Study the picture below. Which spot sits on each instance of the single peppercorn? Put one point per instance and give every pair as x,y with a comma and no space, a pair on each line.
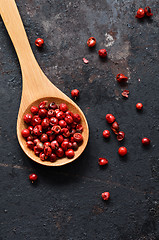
25,133
145,141
75,93
27,118
106,134
69,153
34,110
102,161
120,136
33,177
122,151
102,53
140,13
110,118
147,11
39,42
91,42
121,78
105,196
139,106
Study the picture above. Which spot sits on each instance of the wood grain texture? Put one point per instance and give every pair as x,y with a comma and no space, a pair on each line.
36,86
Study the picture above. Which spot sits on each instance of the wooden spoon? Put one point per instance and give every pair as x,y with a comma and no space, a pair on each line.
36,86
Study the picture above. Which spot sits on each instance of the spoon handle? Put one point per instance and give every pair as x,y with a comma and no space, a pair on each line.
12,20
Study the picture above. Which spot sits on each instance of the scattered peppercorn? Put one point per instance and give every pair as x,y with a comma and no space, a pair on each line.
105,196
102,53
140,13
102,161
122,151
145,141
91,42
39,42
75,93
121,78
110,118
139,106
106,134
33,177
147,11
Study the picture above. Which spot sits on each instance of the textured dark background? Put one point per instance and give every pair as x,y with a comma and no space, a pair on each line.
66,202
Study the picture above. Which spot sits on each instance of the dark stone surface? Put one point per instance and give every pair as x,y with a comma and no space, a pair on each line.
66,202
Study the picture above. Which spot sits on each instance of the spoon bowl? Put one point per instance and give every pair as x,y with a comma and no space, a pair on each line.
36,86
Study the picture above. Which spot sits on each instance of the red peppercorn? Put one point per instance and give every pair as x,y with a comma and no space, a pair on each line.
59,138
122,151
140,13
30,128
36,151
69,153
53,106
54,145
53,157
36,120
39,42
59,152
64,145
63,107
78,137
56,129
76,117
51,113
102,161
44,137
34,110
42,156
45,123
91,42
48,144
30,138
42,112
106,134
75,93
47,151
65,132
145,141
68,119
36,141
43,104
69,145
115,127
105,196
120,136
30,144
74,146
139,106
54,121
33,177
27,118
69,113
147,11
62,124
121,78
102,53
37,130
79,128
25,133
60,115
110,118
40,146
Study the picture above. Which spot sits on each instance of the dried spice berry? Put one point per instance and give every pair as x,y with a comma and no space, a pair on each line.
102,161
125,93
122,151
85,60
140,13
121,78
147,11
110,118
102,53
106,134
120,136
75,93
145,141
115,127
139,106
33,177
91,42
27,118
105,196
39,42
